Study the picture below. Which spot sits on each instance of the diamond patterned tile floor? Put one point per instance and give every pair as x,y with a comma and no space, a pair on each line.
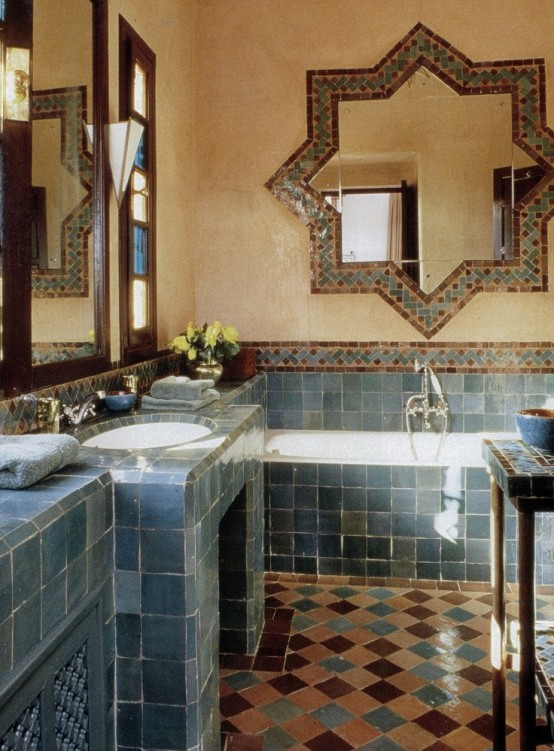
374,668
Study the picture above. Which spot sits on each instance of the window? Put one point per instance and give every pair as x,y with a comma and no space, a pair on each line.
137,221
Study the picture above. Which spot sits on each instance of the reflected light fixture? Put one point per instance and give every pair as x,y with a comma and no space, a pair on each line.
123,142
17,84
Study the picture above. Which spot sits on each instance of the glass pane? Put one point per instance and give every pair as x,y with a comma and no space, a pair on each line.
140,157
2,10
139,304
139,196
139,90
140,250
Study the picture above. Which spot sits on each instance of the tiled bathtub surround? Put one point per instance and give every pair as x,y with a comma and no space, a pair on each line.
375,400
379,521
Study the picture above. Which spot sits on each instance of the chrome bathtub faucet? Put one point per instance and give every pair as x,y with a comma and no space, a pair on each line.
425,406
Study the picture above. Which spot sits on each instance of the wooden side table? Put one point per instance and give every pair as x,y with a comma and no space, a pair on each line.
525,477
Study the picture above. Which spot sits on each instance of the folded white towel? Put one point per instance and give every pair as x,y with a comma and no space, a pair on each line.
26,459
207,397
168,388
180,387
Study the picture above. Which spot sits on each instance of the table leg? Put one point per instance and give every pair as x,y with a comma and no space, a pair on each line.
526,576
498,623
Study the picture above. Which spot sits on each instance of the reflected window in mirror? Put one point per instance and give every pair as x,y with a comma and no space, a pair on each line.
137,214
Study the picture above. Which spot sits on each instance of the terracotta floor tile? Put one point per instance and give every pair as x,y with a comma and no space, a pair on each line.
309,699
411,736
357,702
252,721
260,694
304,728
419,699
407,706
357,732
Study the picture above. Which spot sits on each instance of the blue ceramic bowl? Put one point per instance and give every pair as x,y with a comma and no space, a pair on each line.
120,401
536,427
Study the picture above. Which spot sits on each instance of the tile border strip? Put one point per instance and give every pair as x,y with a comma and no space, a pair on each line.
456,357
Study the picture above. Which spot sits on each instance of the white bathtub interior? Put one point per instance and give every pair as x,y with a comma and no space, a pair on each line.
386,448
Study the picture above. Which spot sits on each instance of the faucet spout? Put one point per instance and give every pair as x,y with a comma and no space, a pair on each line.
77,414
425,406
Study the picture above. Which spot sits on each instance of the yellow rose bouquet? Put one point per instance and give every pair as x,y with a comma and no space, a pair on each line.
206,343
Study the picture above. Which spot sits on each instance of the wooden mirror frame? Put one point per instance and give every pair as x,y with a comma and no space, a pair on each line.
18,375
524,80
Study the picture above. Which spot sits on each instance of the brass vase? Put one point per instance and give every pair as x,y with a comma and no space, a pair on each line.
205,369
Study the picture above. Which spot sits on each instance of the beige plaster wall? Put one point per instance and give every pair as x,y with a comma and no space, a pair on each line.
252,255
167,26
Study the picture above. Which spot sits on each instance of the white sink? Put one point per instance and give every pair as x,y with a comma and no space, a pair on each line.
148,435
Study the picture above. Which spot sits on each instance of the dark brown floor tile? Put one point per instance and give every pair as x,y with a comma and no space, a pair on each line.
475,674
437,723
295,662
343,607
382,647
483,726
383,668
271,664
420,612
422,630
328,741
383,691
338,644
236,742
233,704
287,684
334,687
416,595
299,641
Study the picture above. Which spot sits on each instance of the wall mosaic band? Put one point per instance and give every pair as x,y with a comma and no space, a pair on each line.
71,279
471,357
428,313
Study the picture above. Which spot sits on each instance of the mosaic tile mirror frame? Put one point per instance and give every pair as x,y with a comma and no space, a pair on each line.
523,80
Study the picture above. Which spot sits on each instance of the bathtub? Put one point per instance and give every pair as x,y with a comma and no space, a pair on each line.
356,503
375,448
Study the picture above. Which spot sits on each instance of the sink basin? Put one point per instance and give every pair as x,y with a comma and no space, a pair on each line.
148,435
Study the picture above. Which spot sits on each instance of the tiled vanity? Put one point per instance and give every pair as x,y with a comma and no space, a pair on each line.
524,476
179,532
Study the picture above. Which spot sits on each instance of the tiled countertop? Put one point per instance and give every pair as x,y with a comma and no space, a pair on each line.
22,511
520,470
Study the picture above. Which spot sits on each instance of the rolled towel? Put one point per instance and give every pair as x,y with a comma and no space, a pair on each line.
26,459
168,388
208,396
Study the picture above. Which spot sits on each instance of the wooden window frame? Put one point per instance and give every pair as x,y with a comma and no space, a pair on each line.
140,344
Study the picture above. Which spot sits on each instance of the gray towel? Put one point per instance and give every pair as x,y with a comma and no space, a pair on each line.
208,396
180,387
26,459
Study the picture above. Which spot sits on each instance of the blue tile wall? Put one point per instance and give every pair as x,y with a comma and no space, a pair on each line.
375,401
